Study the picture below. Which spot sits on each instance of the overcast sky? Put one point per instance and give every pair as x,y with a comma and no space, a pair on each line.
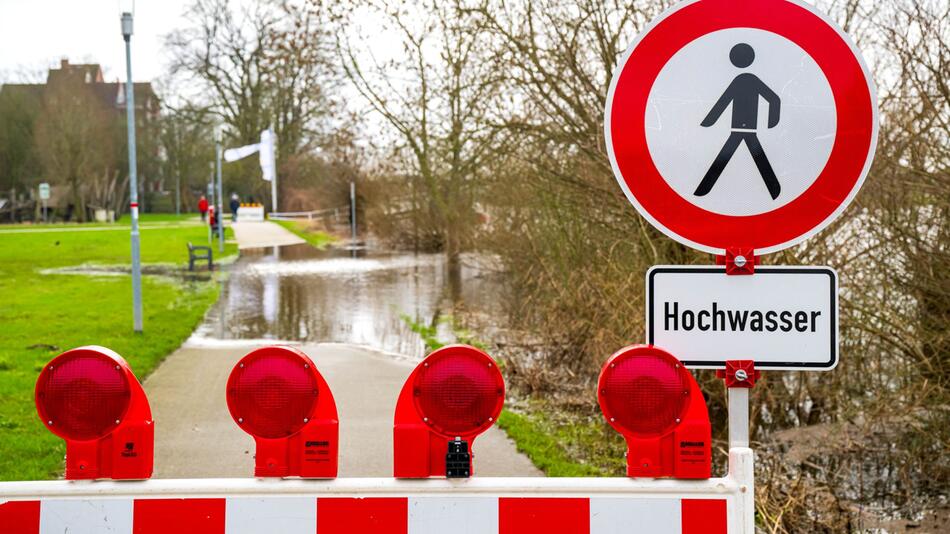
36,34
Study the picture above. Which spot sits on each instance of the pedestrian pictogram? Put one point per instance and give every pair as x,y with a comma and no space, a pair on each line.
743,94
741,123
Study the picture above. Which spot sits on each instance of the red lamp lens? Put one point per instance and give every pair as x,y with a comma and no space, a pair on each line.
272,392
645,394
82,395
459,392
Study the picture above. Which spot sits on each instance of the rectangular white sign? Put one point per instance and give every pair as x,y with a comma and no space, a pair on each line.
783,318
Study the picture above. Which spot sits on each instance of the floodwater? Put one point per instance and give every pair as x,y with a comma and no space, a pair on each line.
299,293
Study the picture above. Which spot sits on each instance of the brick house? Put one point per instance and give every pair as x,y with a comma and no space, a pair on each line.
112,96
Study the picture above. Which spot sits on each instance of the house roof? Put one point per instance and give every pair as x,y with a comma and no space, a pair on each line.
88,72
111,94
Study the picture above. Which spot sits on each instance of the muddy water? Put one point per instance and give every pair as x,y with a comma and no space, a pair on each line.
299,293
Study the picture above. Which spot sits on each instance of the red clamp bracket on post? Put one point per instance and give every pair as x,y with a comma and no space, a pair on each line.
739,374
738,260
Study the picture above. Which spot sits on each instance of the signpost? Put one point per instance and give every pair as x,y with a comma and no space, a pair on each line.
740,128
44,197
219,213
783,318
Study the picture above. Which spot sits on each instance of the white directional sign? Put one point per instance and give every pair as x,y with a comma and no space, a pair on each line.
783,318
44,191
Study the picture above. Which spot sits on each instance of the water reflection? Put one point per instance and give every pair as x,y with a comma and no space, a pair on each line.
299,293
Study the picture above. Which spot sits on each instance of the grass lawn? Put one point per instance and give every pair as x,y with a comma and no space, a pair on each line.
558,443
146,220
42,315
317,238
565,446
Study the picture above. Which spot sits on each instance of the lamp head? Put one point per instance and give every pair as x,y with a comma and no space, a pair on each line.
126,25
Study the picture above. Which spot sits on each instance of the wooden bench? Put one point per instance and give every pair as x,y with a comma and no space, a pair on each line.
199,253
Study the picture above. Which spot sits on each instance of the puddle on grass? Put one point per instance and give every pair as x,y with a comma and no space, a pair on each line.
301,294
166,271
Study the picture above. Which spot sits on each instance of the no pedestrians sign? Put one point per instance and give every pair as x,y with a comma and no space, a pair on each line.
741,123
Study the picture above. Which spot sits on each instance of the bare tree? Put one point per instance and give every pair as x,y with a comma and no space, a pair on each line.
74,140
437,96
187,140
257,66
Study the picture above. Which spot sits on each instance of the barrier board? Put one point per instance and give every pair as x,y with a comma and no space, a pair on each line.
386,505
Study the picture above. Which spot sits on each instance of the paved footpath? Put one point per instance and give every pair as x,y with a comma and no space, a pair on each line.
195,436
263,234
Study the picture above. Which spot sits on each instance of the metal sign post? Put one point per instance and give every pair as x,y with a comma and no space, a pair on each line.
273,194
44,197
268,160
353,214
220,210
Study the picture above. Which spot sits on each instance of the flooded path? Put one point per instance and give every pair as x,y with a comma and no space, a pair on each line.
301,294
345,310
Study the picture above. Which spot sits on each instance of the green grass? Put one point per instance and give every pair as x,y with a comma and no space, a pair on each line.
430,334
558,443
565,446
42,315
145,220
317,238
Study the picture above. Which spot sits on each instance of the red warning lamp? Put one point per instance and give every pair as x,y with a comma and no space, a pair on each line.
89,397
450,398
276,395
652,399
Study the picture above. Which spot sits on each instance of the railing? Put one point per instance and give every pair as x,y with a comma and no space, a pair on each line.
307,215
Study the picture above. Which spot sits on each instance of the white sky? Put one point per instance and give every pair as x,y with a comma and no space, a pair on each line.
36,34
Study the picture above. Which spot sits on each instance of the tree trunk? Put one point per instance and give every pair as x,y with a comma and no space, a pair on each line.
453,254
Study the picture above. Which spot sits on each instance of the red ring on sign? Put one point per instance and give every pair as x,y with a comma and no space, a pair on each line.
765,232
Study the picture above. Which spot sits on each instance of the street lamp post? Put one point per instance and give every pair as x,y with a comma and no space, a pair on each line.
217,158
133,180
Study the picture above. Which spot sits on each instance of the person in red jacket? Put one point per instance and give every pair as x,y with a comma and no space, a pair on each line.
203,207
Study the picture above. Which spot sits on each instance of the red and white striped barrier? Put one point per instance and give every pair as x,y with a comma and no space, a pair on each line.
385,505
376,515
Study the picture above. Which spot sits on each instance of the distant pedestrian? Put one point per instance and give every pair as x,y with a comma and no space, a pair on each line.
213,220
235,204
203,207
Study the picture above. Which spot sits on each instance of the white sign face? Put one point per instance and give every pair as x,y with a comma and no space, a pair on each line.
783,318
44,191
788,133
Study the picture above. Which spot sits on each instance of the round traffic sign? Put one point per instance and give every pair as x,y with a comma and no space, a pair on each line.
741,123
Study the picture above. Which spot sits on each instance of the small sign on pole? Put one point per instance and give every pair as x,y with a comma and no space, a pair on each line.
44,197
782,318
